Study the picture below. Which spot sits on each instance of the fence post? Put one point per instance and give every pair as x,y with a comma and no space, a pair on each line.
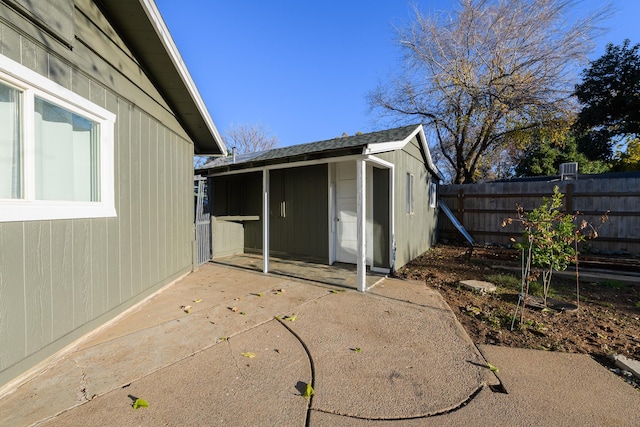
568,200
461,206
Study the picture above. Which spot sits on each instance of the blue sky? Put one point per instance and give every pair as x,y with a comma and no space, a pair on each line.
303,68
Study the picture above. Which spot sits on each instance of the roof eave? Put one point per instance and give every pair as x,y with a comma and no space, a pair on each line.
422,138
163,62
265,163
384,147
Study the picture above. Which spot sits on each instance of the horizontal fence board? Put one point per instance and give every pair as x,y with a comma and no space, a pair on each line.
481,208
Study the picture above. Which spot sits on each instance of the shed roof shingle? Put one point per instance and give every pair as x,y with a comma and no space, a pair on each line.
337,145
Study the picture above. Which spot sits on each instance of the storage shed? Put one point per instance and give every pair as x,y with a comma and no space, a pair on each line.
99,121
368,199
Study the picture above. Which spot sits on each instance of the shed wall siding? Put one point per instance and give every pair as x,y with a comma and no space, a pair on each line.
61,279
303,230
416,233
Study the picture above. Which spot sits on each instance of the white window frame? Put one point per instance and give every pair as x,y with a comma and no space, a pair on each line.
410,186
28,208
433,195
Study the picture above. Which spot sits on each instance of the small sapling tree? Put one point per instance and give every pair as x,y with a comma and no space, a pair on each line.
550,240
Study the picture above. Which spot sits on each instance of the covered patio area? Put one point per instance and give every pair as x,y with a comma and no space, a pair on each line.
339,274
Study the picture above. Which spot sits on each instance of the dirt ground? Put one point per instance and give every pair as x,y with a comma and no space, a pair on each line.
607,320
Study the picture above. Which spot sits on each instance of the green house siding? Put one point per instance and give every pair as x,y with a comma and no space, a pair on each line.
414,233
60,279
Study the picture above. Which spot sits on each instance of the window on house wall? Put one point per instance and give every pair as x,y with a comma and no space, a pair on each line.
10,143
56,150
409,193
433,195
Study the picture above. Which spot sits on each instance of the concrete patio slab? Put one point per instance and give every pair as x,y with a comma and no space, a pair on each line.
551,388
395,356
218,387
365,367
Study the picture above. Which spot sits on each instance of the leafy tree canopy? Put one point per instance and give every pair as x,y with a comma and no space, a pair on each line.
629,160
610,94
543,158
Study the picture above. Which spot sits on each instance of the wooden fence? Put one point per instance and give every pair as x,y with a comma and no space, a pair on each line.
481,208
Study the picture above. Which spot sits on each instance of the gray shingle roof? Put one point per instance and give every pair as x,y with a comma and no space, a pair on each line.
337,146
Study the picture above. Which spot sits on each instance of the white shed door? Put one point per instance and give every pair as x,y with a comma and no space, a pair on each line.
346,213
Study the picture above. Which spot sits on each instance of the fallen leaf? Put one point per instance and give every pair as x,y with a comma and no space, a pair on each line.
308,392
356,350
291,318
140,403
198,300
222,339
491,367
249,354
243,313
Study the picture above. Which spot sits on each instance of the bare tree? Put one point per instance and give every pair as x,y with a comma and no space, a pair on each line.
199,161
486,71
250,138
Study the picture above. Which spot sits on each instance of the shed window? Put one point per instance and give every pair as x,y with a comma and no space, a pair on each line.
56,150
433,195
409,193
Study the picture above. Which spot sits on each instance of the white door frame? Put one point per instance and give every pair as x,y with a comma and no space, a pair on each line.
361,205
392,193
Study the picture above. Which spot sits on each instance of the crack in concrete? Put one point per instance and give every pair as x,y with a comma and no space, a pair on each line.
445,411
311,364
235,360
193,353
84,393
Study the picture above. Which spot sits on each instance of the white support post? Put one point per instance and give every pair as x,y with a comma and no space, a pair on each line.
392,218
361,190
265,220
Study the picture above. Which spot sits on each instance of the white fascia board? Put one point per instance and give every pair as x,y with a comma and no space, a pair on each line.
423,142
159,25
384,147
290,165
